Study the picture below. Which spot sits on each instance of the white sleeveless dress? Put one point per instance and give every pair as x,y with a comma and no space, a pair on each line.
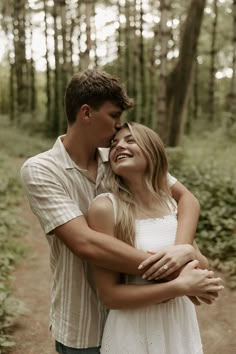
166,328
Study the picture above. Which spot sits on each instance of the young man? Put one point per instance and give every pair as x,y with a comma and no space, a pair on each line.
60,185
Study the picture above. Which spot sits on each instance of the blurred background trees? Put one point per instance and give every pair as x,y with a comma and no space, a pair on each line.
177,60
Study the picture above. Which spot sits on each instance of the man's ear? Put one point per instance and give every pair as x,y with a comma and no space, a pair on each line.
85,111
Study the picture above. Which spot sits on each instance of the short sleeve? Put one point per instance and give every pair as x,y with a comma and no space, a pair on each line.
171,180
48,198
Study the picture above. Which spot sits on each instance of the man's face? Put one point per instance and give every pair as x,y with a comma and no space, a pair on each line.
105,122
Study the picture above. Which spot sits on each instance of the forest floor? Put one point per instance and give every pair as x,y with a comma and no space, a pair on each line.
31,285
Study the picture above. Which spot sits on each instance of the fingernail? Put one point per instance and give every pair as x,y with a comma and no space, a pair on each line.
140,266
144,276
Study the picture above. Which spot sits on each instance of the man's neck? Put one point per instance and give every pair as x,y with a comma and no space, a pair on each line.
80,151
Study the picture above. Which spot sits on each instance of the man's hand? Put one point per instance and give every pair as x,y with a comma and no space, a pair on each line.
198,300
167,261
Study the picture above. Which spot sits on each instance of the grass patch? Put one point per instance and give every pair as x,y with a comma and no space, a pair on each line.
16,146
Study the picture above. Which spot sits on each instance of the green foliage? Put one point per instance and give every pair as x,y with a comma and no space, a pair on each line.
209,172
10,230
16,145
22,143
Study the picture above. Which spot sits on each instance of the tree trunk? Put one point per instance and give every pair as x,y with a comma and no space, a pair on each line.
57,113
48,78
8,27
232,101
151,108
20,56
32,89
162,122
128,48
94,41
195,90
85,56
134,88
179,80
65,66
119,44
142,67
79,20
211,89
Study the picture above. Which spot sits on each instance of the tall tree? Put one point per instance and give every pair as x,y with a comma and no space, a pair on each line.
142,62
78,21
85,55
48,75
232,118
213,51
179,81
7,9
119,42
20,55
128,48
31,71
134,88
57,107
163,124
94,34
196,90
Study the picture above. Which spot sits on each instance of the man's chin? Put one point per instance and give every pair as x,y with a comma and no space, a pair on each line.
105,145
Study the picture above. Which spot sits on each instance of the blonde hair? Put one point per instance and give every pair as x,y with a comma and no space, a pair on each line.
155,181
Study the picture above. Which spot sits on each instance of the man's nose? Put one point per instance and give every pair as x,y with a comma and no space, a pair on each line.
118,124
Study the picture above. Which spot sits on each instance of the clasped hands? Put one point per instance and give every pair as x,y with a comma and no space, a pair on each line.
179,261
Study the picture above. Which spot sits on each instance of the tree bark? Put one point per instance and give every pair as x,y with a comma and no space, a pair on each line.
211,89
142,67
32,86
85,56
57,113
48,77
232,118
179,81
162,122
20,56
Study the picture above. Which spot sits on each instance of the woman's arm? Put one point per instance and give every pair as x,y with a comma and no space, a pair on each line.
116,295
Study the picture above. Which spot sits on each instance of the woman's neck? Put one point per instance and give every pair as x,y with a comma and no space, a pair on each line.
147,204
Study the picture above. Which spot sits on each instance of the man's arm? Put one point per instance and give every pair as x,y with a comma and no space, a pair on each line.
99,248
188,213
183,252
58,213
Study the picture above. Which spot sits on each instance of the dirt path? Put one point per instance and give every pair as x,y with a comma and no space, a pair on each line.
31,284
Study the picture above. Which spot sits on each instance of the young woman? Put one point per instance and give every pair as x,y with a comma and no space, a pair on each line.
146,317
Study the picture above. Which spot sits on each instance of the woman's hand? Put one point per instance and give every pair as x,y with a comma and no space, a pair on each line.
167,261
199,283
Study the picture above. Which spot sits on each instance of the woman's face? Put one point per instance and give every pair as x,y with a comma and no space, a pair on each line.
126,157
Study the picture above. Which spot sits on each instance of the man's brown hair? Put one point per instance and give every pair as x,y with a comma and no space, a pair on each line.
94,87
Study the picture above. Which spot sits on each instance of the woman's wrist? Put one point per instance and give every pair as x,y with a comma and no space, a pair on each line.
179,286
191,252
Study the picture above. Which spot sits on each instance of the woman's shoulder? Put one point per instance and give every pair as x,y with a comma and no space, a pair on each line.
102,205
101,211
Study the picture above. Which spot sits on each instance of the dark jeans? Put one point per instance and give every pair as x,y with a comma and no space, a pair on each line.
62,349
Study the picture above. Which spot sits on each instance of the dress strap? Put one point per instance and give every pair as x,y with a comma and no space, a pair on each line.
112,199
